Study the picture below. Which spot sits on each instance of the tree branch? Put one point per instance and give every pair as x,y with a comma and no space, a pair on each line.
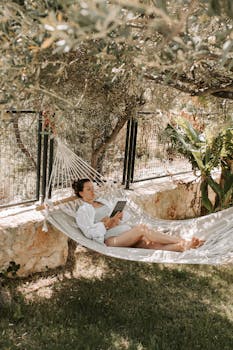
190,86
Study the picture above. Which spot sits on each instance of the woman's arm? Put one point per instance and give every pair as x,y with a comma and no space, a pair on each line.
113,221
85,220
111,204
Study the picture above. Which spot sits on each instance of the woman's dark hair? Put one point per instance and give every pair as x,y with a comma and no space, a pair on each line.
78,186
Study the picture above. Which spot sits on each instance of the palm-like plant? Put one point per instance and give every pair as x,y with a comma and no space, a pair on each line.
206,153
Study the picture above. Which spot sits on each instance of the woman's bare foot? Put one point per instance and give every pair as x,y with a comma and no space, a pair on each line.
193,244
198,242
175,247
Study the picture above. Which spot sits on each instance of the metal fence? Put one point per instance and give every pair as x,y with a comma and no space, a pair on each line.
152,156
26,155
19,177
113,161
139,154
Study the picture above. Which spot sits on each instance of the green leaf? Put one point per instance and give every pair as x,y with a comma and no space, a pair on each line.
198,158
215,187
227,197
228,188
191,133
208,155
204,197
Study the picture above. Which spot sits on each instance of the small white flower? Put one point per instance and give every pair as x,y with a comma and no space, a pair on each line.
202,138
60,42
84,12
227,44
62,26
67,48
130,16
115,70
212,39
49,27
83,4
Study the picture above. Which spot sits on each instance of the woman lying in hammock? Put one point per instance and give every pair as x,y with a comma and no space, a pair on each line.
94,221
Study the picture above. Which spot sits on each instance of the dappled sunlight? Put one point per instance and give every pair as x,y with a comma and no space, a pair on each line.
41,288
106,302
124,343
119,342
218,281
221,308
226,310
89,265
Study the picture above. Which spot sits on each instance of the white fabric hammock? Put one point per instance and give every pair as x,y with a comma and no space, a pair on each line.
216,228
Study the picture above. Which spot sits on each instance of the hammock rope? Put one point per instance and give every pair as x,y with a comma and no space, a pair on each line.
216,228
67,167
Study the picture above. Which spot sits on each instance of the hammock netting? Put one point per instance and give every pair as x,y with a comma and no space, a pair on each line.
216,229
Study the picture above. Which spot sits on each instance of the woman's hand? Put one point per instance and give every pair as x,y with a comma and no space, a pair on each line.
116,218
108,222
119,215
112,222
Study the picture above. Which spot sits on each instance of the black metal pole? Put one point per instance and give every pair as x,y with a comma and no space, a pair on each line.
45,162
134,145
39,140
21,111
51,151
127,139
130,154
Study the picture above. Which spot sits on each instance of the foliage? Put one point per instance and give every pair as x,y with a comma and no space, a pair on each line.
184,44
11,270
207,152
89,61
100,105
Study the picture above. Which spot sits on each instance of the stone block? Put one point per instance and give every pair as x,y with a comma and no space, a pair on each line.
23,241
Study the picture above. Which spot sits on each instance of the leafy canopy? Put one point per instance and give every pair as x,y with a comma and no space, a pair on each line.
184,44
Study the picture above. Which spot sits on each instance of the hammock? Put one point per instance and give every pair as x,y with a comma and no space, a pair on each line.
216,228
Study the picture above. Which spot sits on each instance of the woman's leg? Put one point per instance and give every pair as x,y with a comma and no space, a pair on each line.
174,247
138,233
126,239
156,237
142,236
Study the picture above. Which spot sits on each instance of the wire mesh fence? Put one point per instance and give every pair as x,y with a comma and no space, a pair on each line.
18,157
153,157
149,156
26,159
113,161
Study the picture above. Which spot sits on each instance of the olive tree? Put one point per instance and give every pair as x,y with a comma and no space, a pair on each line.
183,44
92,59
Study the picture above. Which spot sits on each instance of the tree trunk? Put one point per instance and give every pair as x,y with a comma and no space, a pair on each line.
20,142
98,152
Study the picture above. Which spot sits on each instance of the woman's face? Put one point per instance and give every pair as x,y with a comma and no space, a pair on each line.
88,193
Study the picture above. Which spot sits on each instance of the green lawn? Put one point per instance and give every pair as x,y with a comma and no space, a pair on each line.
105,303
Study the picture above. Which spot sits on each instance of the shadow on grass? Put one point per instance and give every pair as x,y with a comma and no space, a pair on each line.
133,306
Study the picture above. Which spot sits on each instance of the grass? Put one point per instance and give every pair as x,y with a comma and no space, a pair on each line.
105,303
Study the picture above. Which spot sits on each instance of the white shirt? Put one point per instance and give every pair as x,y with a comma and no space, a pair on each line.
85,218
